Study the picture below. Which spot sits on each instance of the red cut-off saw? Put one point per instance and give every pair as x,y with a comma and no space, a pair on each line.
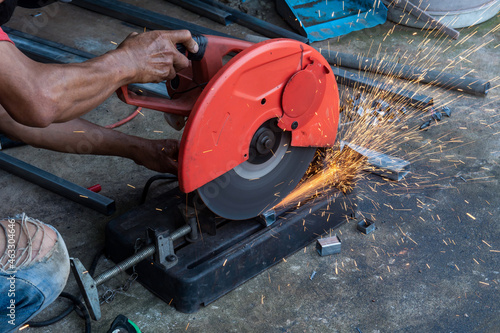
254,123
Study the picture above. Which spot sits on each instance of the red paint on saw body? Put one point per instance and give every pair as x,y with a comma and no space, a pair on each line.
278,78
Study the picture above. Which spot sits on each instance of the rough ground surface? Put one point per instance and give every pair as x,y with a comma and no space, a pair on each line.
432,265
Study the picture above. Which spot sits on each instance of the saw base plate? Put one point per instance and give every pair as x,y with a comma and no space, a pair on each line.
228,254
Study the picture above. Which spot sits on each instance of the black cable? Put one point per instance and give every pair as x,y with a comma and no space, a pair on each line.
82,308
76,304
72,306
53,320
95,261
150,181
188,90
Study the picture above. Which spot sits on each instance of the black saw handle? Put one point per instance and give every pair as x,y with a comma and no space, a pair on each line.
202,46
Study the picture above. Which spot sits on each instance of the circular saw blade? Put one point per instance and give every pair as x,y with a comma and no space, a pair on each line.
237,196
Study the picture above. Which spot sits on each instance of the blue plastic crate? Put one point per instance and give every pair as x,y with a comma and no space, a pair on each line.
323,19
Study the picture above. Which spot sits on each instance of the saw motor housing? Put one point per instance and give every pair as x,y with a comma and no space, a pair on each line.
227,103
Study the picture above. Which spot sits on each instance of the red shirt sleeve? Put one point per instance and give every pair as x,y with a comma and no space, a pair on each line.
4,36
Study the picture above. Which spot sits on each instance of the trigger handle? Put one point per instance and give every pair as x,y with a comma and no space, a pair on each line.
202,46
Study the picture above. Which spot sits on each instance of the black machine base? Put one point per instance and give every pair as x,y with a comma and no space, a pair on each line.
228,253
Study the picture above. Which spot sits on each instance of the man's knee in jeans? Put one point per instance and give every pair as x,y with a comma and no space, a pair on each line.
34,267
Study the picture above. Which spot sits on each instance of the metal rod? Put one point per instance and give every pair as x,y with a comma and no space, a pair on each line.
401,95
215,14
125,264
253,23
45,53
6,143
415,11
182,231
13,33
468,85
142,17
57,185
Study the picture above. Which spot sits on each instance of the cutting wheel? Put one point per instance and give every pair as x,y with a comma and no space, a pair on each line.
271,172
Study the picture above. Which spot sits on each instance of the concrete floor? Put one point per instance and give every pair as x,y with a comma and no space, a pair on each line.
432,265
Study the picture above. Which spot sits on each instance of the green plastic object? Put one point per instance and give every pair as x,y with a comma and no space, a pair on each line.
123,324
323,19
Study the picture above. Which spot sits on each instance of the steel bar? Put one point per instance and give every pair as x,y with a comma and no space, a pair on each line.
142,17
57,185
384,165
400,95
64,50
253,23
6,142
468,85
45,53
420,14
328,245
215,14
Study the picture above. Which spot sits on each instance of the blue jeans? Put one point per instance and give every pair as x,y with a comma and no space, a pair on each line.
29,289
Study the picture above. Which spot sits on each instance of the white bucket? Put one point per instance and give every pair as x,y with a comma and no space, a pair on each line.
452,13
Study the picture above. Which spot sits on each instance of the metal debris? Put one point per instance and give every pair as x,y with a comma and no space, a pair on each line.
425,125
381,164
366,226
328,246
445,111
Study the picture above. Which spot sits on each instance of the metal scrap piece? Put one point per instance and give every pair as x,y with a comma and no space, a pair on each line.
381,164
366,226
328,246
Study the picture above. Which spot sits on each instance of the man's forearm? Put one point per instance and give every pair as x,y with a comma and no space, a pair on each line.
77,88
79,136
37,94
57,92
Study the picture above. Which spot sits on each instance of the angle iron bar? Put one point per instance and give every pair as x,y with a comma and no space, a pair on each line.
13,32
201,8
402,95
45,53
142,17
470,85
257,25
57,184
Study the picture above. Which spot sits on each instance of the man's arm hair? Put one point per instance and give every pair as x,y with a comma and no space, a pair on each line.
36,94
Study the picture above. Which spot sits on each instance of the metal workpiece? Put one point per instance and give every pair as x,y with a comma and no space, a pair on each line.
366,226
142,17
255,24
430,22
328,246
57,184
384,165
470,85
268,217
204,9
44,50
6,142
403,96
